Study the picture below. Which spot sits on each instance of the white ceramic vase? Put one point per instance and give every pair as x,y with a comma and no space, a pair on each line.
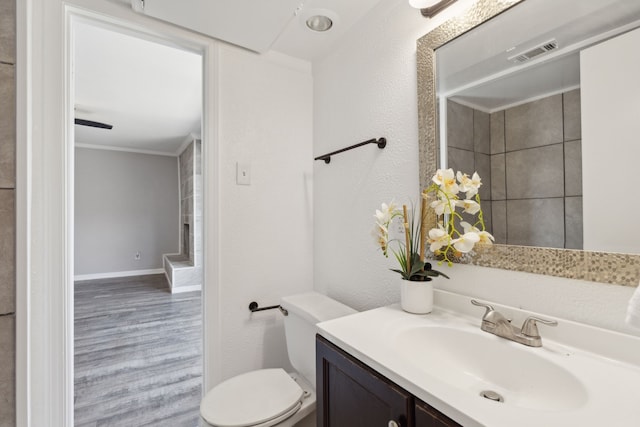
416,297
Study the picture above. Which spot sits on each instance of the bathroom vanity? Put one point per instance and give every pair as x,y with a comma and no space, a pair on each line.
386,367
350,393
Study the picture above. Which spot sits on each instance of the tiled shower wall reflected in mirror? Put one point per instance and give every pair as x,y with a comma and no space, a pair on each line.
529,158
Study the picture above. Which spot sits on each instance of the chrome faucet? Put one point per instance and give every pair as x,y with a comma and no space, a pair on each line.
495,323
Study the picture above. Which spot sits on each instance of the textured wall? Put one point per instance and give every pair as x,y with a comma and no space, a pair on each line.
7,211
367,88
124,203
266,228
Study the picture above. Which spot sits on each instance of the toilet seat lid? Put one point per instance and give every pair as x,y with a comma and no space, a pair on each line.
251,398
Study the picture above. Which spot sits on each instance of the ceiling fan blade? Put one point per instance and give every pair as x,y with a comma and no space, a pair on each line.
92,124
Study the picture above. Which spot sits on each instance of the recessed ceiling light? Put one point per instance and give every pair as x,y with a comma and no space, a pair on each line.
319,23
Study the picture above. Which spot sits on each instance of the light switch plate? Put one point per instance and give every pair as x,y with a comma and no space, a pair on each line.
243,173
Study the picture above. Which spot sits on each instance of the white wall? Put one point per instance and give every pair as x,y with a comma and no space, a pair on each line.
266,228
582,301
367,88
124,203
610,129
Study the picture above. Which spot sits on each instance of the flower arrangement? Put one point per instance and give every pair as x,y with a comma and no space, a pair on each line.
412,261
446,241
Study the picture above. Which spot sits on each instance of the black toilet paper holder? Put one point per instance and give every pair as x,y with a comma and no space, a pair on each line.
253,307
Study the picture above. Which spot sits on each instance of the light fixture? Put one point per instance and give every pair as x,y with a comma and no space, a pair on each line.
319,23
430,8
319,20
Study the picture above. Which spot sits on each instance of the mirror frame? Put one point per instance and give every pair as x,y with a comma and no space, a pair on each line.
604,267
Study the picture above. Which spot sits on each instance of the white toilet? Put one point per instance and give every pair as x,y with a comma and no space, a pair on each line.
273,397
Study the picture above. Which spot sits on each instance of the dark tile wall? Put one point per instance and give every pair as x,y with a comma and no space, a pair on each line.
534,124
191,198
529,158
7,210
537,172
469,148
461,135
186,194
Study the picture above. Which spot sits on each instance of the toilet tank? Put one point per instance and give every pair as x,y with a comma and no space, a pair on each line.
305,310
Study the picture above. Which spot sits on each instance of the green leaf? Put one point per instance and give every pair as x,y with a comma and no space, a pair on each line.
402,273
435,273
416,267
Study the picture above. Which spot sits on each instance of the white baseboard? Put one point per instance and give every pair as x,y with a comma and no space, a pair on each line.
114,274
181,289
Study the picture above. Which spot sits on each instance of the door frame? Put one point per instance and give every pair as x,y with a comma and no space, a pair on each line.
45,199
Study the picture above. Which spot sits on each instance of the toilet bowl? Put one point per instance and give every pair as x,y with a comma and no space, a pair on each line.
262,398
274,397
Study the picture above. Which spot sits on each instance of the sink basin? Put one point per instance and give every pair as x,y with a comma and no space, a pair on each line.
477,361
584,376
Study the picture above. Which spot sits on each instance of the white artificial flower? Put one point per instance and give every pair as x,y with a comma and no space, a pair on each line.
438,238
438,178
446,179
449,184
469,206
442,205
381,235
485,237
467,227
380,230
466,242
386,213
468,185
475,180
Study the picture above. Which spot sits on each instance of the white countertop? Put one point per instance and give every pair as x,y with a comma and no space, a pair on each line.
605,364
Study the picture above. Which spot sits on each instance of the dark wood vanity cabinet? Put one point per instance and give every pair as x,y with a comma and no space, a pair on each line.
427,416
351,394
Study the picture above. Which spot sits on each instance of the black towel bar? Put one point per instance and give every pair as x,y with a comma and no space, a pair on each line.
381,142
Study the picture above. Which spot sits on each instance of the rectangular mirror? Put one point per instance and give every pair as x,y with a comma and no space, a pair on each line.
541,98
510,96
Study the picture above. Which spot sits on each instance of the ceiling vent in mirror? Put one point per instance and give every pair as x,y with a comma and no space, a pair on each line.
536,51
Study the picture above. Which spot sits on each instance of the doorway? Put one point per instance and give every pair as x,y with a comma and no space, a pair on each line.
45,199
138,330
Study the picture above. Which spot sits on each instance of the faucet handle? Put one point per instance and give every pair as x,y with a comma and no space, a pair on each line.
487,307
530,327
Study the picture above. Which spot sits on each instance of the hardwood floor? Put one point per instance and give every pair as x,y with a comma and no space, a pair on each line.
138,353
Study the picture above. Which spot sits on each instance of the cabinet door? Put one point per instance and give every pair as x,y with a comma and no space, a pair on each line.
427,416
350,394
